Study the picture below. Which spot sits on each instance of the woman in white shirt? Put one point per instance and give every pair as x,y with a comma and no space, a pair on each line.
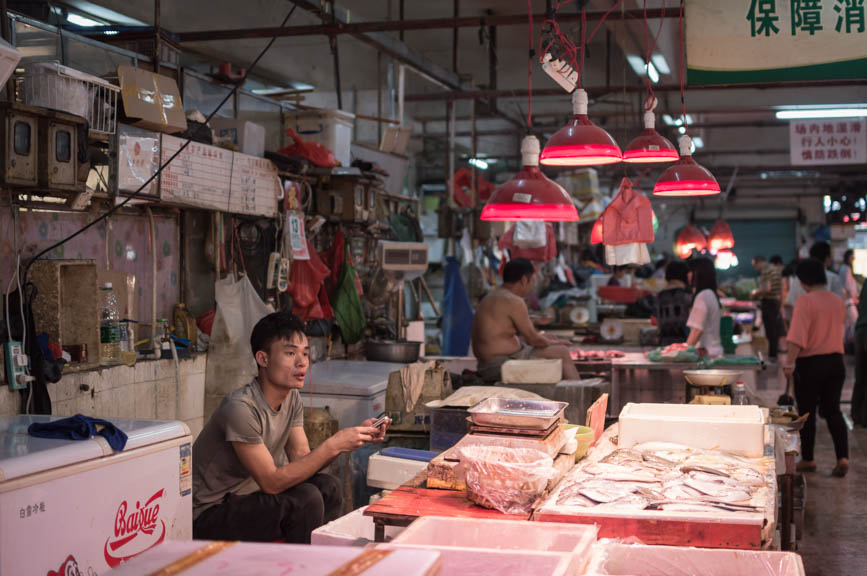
850,294
704,318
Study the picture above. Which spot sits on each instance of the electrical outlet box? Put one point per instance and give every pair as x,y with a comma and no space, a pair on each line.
16,364
561,72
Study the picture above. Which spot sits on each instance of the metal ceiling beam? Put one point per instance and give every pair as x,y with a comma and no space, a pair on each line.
377,39
356,27
595,92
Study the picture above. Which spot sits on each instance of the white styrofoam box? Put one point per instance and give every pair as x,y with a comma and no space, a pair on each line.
482,562
9,58
331,128
532,371
574,539
348,410
390,473
736,429
248,136
614,559
354,529
260,558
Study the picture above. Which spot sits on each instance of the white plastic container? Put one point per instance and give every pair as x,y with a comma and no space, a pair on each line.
354,529
611,558
446,533
391,473
735,429
331,128
532,371
353,390
248,136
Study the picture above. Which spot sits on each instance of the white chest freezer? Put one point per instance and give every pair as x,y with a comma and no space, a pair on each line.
353,390
77,507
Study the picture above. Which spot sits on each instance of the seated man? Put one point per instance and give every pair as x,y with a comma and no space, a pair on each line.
254,476
502,329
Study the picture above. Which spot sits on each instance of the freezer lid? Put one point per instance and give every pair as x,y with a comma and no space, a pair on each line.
22,454
349,377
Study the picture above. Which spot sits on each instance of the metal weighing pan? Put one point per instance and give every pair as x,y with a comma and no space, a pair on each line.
712,377
510,413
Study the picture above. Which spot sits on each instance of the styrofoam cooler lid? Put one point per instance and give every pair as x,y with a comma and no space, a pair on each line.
22,454
349,377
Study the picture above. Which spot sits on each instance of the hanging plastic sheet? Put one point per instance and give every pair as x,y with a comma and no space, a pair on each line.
230,361
457,312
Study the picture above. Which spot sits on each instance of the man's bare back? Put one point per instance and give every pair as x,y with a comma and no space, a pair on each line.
495,330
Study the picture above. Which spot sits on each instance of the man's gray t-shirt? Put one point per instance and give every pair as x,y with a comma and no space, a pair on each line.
243,416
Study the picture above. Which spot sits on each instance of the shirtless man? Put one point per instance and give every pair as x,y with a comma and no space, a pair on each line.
502,329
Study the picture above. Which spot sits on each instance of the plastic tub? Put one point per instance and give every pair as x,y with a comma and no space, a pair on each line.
354,529
614,559
584,437
331,128
481,562
447,533
735,429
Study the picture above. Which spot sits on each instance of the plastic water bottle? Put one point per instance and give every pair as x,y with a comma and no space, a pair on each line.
109,327
739,395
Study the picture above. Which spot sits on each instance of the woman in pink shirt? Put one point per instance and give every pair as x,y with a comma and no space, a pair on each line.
815,357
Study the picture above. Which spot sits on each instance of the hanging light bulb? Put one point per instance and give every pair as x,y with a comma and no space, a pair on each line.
530,195
720,238
581,142
689,240
596,232
686,177
650,146
726,259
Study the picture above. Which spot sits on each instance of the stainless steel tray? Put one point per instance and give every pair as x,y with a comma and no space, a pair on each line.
510,413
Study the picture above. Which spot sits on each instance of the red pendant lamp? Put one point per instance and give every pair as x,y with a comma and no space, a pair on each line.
720,238
530,195
690,239
596,232
580,142
650,146
686,177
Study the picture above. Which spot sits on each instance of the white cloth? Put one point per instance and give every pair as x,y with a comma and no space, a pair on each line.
627,254
705,316
833,284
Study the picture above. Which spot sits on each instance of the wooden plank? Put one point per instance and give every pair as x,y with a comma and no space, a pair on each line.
408,502
596,417
716,534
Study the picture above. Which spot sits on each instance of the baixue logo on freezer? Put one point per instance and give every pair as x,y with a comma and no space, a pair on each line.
136,529
68,568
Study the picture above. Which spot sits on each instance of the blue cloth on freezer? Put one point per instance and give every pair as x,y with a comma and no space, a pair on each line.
80,427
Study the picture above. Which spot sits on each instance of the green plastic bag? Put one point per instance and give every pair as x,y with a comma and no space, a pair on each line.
348,310
731,361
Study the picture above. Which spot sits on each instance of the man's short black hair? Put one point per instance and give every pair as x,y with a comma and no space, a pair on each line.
821,251
517,269
777,260
758,259
273,327
811,272
677,270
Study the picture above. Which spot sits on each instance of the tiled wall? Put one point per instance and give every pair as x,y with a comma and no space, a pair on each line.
147,390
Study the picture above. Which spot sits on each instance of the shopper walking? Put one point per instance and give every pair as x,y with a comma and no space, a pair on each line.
850,295
815,358
770,293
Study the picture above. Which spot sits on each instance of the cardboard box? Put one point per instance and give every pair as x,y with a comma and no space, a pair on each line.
248,136
125,289
151,101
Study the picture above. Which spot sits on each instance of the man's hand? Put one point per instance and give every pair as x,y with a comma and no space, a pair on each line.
350,439
381,429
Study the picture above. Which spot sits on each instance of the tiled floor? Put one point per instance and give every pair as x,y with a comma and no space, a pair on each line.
834,542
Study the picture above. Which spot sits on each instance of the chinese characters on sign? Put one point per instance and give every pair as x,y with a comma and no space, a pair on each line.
824,142
31,510
805,16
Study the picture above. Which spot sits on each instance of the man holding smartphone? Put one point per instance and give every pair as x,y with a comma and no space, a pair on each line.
254,475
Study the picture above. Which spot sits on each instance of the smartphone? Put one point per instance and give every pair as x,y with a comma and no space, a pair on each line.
380,422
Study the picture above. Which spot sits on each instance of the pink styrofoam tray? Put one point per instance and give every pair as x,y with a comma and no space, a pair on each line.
614,559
